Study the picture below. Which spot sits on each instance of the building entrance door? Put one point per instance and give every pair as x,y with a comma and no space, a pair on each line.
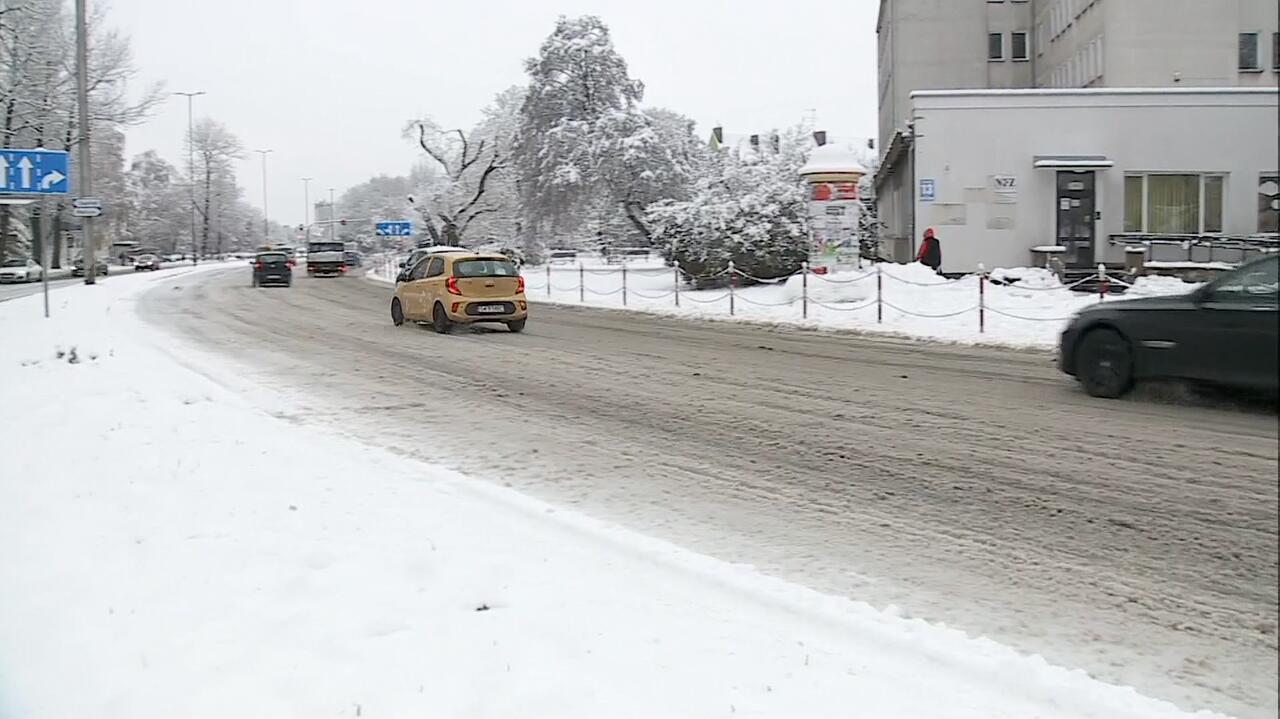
1076,202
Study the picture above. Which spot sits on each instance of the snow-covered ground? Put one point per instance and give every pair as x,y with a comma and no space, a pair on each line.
912,300
171,544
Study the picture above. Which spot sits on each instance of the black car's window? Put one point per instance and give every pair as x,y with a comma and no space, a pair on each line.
15,263
484,267
273,257
435,267
419,270
1257,283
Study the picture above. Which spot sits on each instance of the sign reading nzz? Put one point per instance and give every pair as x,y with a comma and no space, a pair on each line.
34,172
399,228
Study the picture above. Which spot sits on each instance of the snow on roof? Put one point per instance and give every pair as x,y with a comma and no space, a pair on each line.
832,158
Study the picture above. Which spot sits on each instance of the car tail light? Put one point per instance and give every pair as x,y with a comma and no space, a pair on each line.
258,266
520,285
291,263
342,268
452,285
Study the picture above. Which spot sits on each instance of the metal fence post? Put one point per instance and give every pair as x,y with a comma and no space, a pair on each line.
582,284
548,279
879,294
982,298
677,284
804,290
1103,282
624,284
733,281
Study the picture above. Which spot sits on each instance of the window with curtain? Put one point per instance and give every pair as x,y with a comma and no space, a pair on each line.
995,46
1175,204
1133,203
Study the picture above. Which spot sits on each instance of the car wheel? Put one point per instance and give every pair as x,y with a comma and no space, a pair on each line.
517,325
1104,363
440,321
397,312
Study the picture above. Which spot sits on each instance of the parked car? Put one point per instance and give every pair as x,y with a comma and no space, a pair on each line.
354,259
174,258
146,262
1223,333
453,288
21,270
272,268
77,268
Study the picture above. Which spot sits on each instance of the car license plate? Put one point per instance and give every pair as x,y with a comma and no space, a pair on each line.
491,309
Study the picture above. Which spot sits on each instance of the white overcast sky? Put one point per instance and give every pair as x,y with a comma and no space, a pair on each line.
328,84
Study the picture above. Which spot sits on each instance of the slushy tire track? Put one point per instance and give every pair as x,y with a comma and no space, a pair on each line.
1136,539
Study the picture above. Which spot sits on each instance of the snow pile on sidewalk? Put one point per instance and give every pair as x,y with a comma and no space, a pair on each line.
1024,307
170,548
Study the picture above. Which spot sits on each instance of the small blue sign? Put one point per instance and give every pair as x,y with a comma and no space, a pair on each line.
927,190
399,228
34,172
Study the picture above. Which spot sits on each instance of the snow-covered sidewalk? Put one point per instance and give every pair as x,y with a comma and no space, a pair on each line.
908,300
172,546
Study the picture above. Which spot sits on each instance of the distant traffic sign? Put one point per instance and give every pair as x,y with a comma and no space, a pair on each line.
86,211
87,202
399,228
34,172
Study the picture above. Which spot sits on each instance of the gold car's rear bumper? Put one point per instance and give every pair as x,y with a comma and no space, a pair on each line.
472,309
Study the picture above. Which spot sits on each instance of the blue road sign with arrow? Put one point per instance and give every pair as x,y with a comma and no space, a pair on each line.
400,228
34,172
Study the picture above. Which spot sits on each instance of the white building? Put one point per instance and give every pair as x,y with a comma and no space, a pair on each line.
1022,44
1001,171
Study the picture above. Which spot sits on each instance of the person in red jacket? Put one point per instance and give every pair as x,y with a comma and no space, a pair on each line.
930,253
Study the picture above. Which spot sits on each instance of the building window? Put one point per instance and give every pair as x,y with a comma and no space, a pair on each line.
1269,203
995,46
1173,204
1249,51
1018,46
1275,51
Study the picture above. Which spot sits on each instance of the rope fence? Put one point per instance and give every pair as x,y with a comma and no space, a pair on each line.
733,293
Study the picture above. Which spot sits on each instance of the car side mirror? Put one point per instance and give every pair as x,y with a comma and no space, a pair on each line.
402,265
252,262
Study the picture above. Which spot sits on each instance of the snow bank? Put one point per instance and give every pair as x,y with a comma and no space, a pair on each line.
169,547
1030,310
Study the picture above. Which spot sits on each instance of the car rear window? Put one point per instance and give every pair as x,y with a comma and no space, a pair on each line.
273,257
326,247
484,267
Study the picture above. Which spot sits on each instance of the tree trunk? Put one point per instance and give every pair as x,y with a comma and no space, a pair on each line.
56,237
5,218
633,213
208,200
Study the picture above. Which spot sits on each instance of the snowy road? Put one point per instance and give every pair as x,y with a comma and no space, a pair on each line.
979,488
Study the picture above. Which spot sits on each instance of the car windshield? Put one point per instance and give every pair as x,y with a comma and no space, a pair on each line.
15,263
485,267
325,247
273,257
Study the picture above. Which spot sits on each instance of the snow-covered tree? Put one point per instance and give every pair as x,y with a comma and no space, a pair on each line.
455,194
749,207
158,212
216,192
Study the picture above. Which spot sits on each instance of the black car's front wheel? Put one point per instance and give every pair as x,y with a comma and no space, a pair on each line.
397,312
1104,363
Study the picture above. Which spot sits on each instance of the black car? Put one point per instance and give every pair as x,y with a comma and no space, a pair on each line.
1223,333
77,268
272,268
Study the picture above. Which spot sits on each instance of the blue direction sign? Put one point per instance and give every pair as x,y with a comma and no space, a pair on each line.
34,172
400,228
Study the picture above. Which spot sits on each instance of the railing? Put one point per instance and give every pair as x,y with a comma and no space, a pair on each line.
1197,248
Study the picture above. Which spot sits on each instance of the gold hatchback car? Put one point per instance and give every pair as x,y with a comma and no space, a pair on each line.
453,288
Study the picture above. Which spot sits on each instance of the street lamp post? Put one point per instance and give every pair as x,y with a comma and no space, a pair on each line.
333,218
266,228
89,254
191,168
306,208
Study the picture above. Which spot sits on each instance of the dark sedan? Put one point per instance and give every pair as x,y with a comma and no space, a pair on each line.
77,269
1223,333
272,268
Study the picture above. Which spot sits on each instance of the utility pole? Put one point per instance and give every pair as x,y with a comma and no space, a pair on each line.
266,227
191,169
89,253
306,208
333,218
